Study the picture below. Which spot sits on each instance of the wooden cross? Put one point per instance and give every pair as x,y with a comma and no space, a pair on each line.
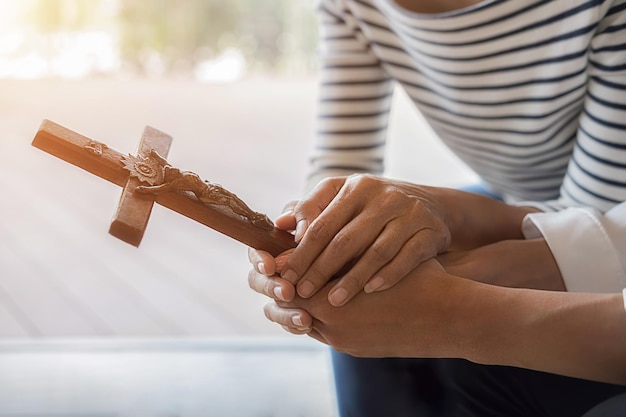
204,202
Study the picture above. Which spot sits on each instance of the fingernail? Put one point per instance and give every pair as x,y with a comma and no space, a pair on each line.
290,276
297,320
300,229
306,289
338,297
261,267
278,292
374,284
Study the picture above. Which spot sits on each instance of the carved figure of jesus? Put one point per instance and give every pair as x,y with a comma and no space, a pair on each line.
208,193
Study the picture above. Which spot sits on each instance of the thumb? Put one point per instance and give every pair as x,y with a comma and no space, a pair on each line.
287,221
313,204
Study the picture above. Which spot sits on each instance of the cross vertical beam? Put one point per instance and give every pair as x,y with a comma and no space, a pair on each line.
133,211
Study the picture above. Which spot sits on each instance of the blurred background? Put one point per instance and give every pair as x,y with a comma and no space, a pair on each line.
205,40
90,326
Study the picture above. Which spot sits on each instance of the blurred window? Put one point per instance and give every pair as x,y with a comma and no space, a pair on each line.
209,40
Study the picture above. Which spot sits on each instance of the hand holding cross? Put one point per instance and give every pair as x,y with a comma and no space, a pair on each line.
148,178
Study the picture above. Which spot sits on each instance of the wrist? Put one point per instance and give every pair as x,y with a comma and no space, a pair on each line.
544,273
476,220
467,330
490,327
439,325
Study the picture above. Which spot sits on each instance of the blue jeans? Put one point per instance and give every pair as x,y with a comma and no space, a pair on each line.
399,387
613,407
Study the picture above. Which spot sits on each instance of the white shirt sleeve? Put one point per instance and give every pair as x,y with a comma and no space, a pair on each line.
589,248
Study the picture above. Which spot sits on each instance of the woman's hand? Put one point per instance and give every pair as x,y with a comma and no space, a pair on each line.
380,229
510,263
412,319
371,231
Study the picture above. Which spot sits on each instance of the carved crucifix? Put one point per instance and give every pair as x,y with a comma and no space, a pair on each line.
147,178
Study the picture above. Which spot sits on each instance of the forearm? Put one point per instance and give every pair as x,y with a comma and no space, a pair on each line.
479,220
474,220
507,263
578,335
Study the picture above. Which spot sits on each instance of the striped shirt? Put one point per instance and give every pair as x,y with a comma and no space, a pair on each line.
530,94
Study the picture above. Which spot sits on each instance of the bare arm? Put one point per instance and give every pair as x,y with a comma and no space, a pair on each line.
432,313
474,220
508,263
573,334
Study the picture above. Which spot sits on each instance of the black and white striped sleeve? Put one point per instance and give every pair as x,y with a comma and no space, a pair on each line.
596,174
590,244
354,100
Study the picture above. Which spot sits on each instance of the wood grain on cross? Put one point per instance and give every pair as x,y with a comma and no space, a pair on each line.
133,212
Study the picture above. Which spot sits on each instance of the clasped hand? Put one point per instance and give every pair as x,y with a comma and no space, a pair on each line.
349,222
382,229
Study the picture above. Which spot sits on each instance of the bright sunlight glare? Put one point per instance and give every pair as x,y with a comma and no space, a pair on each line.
71,39
38,42
9,12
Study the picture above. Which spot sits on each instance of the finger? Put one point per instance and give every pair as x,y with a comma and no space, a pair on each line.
420,248
380,252
296,331
281,261
314,203
287,220
338,257
317,336
366,244
271,286
365,273
278,264
326,227
262,261
292,318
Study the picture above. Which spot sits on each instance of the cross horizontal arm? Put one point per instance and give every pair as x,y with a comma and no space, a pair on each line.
106,163
78,150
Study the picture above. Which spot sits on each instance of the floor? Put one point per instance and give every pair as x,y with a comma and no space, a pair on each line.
64,280
167,378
